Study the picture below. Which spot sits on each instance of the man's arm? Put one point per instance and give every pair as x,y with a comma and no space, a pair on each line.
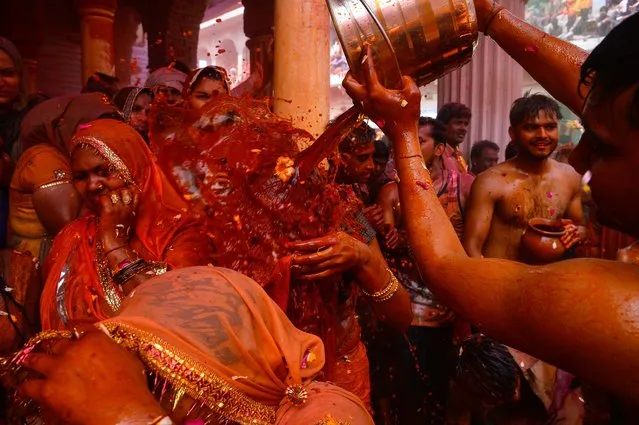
387,199
552,62
479,215
580,315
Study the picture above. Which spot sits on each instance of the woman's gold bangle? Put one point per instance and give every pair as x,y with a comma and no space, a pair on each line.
387,292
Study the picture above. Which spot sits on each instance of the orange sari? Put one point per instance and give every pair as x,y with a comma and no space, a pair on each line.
220,351
78,284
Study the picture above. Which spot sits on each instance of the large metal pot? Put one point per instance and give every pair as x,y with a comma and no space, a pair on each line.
421,38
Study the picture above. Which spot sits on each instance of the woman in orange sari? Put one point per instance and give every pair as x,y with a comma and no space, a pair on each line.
137,226
219,350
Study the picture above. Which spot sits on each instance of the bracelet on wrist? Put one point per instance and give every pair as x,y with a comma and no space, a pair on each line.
387,292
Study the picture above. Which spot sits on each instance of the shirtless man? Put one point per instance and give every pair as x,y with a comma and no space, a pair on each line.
582,314
530,185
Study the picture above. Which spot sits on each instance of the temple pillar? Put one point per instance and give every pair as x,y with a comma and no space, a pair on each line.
259,20
96,30
127,20
488,85
301,86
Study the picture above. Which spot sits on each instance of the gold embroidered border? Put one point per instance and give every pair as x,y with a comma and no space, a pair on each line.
105,152
329,420
53,184
187,376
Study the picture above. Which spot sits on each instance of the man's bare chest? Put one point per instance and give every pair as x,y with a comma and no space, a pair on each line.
522,201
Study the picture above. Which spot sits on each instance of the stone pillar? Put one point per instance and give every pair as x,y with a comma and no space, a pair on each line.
259,20
127,20
302,78
488,85
96,30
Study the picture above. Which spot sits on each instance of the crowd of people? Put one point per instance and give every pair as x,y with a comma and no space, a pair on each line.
171,256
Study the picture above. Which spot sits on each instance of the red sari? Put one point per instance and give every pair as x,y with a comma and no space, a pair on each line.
78,283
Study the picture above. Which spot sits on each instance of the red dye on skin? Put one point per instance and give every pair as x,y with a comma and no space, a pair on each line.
423,185
223,161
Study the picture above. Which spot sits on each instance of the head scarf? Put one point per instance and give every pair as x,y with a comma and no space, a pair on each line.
167,76
76,287
195,76
55,121
12,51
216,337
125,99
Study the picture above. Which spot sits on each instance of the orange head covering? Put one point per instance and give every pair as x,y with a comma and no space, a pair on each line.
219,324
226,353
124,148
77,285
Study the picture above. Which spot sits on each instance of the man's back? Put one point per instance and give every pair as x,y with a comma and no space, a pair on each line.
505,198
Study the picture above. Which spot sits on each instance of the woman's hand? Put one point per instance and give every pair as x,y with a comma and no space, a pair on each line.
91,381
327,256
117,216
395,111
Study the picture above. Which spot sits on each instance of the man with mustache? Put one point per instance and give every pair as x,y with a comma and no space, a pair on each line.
531,185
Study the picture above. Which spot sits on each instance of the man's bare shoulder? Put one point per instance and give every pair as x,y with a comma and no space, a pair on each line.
494,178
566,170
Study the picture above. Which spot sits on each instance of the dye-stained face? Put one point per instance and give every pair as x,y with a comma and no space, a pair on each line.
93,177
9,80
139,118
609,149
427,145
171,95
488,159
537,137
358,164
380,163
204,91
456,130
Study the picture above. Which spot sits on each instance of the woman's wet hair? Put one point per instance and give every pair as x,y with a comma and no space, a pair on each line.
212,73
487,370
362,135
614,65
528,107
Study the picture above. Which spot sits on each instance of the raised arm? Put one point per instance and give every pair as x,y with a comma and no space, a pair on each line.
552,62
479,212
562,313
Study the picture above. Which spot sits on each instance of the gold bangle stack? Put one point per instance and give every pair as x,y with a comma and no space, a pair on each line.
387,293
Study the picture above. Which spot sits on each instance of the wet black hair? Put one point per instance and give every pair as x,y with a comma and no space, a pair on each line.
487,370
614,65
511,150
382,148
479,147
212,73
361,136
528,107
453,110
100,82
439,129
